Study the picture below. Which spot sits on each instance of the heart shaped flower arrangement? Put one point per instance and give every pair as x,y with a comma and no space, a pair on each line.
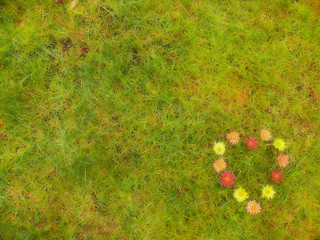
228,179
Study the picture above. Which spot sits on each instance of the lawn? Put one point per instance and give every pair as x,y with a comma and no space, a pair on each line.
110,109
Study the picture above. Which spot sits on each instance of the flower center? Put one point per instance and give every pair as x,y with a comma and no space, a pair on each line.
233,137
276,175
218,149
219,164
250,143
253,207
227,179
241,194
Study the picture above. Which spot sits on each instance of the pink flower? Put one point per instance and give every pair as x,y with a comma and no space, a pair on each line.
276,176
227,179
251,143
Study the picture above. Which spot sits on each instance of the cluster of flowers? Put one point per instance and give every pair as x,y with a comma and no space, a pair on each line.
227,179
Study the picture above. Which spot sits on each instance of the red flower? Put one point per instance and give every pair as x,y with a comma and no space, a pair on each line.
227,179
276,176
251,143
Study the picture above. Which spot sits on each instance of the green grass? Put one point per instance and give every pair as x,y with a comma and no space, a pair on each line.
111,108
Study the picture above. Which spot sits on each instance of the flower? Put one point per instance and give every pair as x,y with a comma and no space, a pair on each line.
219,148
219,165
253,207
276,176
251,143
268,192
1,123
240,194
227,179
283,160
279,144
233,137
265,135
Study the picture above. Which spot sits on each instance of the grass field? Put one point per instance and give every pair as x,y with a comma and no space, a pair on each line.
110,110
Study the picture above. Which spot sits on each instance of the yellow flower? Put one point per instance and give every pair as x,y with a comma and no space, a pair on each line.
268,192
240,194
219,148
279,144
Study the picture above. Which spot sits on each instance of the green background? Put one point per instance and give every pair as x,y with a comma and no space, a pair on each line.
111,109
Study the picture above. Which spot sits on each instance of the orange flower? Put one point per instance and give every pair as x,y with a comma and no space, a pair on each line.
219,165
253,207
283,160
233,137
265,135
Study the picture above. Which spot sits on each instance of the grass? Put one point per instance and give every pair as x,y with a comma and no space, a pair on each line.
110,110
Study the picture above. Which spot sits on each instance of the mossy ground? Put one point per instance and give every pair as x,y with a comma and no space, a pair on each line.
110,110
